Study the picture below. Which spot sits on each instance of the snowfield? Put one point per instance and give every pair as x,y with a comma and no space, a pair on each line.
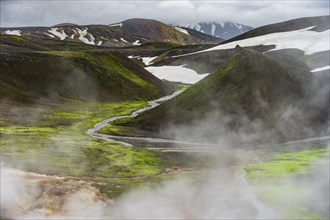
50,35
116,25
82,37
181,30
13,32
122,39
136,43
146,60
62,35
321,69
176,74
303,39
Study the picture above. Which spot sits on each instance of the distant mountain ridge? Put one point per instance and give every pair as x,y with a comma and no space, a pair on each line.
305,36
131,32
224,30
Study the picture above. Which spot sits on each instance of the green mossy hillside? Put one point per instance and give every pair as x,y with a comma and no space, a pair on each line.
84,75
249,86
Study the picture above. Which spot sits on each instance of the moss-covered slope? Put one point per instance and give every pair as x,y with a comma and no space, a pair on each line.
249,86
93,75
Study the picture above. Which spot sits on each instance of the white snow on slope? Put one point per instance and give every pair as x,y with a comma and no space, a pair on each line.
116,25
122,39
303,39
176,74
213,29
50,35
136,43
99,43
62,35
239,27
198,27
82,37
308,41
321,69
181,30
13,32
146,60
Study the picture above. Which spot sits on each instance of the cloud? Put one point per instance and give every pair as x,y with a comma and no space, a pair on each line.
176,4
255,13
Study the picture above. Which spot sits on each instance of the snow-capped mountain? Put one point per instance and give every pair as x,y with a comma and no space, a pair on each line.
131,32
290,41
225,30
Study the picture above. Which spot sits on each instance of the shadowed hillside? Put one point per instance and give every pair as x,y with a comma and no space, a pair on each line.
249,87
86,75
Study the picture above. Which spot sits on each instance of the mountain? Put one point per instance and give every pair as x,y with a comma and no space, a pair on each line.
225,30
132,32
305,36
316,24
248,89
158,31
99,75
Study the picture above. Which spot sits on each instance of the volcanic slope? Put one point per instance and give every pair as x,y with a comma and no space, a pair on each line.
86,74
160,32
306,36
250,87
132,32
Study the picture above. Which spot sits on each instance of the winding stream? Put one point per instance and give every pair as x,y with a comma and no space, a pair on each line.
93,132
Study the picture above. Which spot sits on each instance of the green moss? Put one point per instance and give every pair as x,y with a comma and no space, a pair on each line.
68,150
286,164
278,184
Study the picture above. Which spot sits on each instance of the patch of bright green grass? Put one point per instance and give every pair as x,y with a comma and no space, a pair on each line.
286,164
57,143
277,181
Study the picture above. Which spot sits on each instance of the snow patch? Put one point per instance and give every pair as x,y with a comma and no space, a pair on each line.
122,39
321,69
146,60
62,35
137,42
13,32
176,74
239,27
213,29
82,34
99,43
50,35
181,30
116,25
198,27
303,39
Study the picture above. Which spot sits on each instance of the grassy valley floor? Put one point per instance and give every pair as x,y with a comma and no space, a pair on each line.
50,138
296,184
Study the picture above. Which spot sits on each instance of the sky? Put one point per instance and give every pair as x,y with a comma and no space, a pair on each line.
255,13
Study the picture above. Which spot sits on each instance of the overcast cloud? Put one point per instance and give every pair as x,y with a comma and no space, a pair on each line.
254,13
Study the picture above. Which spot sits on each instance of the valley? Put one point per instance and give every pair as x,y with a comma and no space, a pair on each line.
170,122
